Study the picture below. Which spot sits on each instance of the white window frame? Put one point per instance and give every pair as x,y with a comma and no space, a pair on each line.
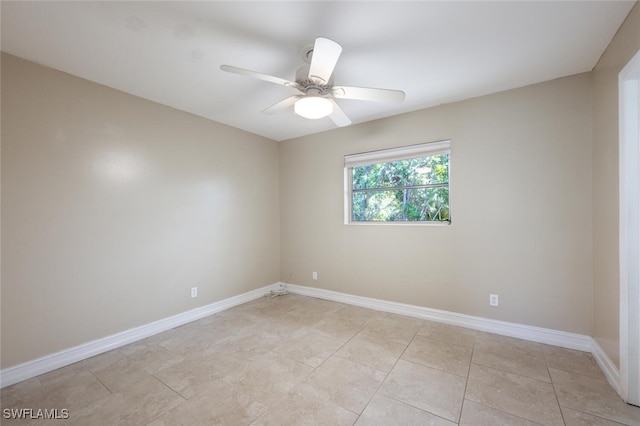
385,156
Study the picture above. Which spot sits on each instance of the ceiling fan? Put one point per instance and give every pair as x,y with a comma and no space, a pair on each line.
318,94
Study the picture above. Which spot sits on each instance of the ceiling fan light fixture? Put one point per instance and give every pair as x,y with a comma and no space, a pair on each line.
313,107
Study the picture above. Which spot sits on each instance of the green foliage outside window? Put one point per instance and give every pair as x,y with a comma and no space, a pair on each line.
413,190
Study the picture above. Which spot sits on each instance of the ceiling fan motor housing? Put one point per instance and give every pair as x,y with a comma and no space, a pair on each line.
312,86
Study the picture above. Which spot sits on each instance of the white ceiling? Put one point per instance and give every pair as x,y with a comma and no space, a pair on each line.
436,51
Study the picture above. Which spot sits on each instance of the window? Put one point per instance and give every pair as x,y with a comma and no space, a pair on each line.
400,185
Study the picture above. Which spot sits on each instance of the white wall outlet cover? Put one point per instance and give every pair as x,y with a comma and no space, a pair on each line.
493,300
194,291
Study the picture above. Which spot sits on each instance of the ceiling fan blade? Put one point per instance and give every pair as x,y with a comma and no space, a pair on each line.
259,76
338,116
282,105
324,58
368,94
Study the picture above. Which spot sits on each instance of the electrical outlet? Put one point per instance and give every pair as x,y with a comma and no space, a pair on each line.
194,291
315,275
493,300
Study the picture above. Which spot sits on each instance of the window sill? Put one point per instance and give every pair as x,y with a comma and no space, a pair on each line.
399,223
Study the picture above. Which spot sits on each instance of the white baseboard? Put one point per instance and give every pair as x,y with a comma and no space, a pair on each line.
47,363
536,334
607,366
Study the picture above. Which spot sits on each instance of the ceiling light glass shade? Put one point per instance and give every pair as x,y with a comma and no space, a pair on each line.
313,107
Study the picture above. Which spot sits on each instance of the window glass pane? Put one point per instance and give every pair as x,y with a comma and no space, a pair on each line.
411,204
416,171
413,190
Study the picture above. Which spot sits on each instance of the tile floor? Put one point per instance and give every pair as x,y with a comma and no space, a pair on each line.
295,360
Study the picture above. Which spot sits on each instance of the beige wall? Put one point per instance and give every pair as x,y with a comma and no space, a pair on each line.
113,207
605,183
521,208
